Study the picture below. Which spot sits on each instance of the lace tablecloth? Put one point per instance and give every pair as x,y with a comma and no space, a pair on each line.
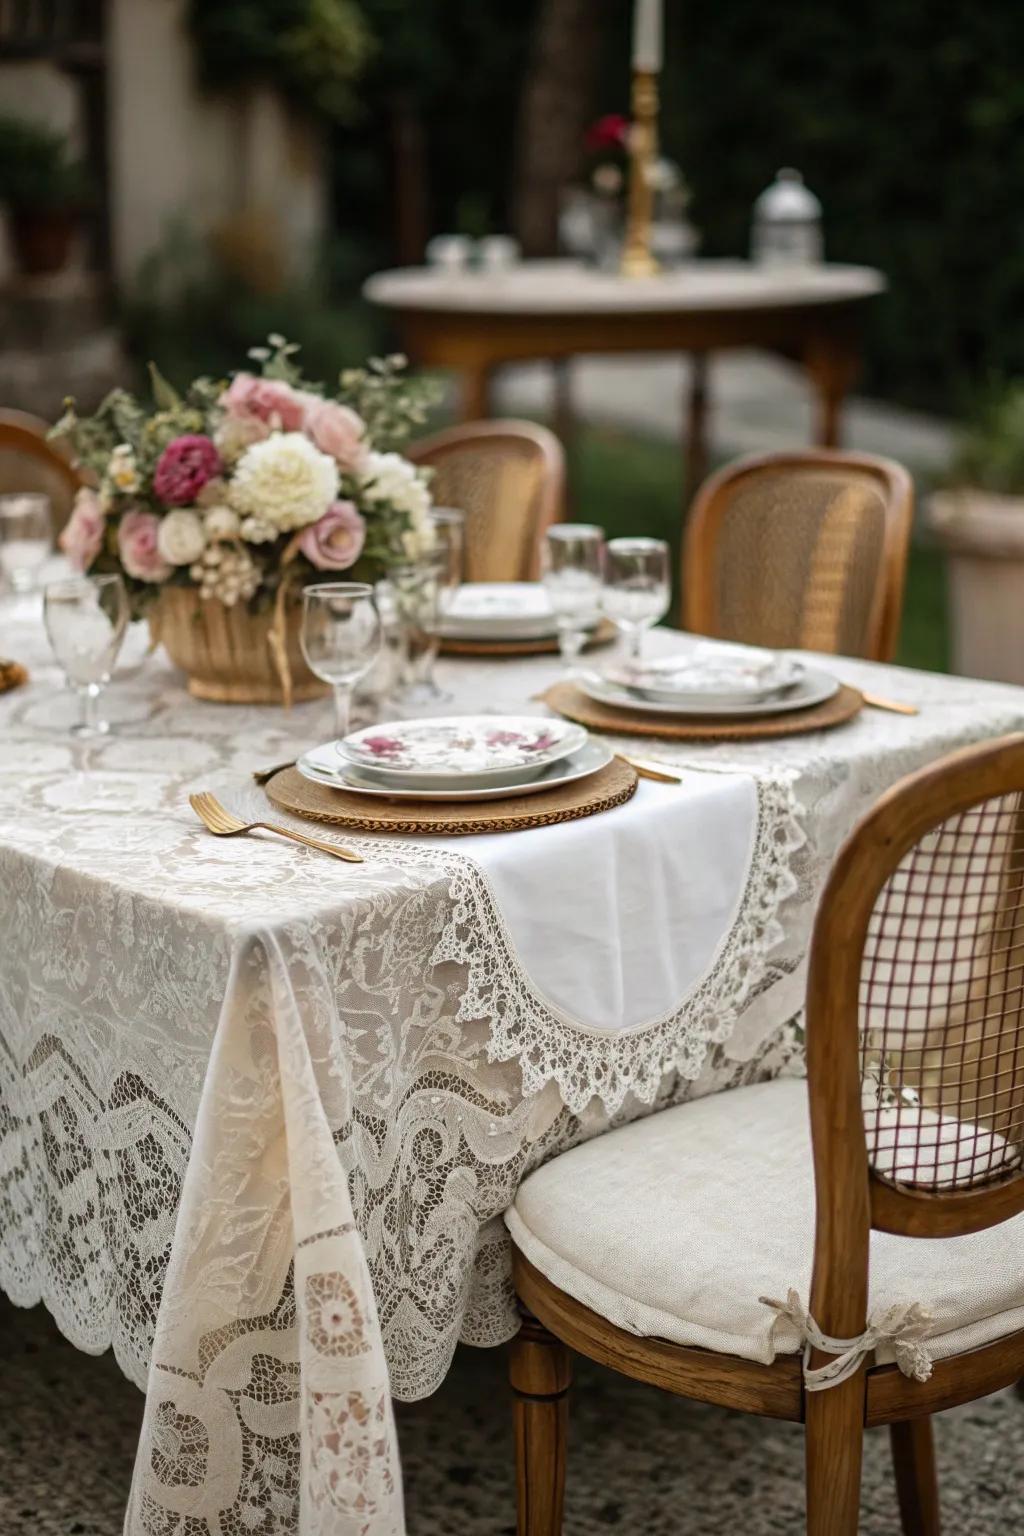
258,1123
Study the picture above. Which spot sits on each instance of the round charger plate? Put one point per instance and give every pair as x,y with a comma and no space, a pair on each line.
568,700
604,634
813,688
590,758
600,791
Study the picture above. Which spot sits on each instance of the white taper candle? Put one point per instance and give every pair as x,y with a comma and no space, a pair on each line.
647,30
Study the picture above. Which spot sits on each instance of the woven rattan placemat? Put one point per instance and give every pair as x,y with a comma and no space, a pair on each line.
608,787
574,704
11,675
604,634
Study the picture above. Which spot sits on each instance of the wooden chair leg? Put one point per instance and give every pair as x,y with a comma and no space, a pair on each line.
834,1451
917,1488
540,1372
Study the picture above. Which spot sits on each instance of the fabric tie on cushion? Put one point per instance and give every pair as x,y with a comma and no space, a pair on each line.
904,1327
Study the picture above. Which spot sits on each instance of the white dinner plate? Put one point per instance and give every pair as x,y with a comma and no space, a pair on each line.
316,765
498,610
435,752
813,688
716,677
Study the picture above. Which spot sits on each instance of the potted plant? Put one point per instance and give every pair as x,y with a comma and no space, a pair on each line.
979,520
43,190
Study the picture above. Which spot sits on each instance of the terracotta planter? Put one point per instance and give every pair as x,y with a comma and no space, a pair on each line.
41,238
983,536
227,653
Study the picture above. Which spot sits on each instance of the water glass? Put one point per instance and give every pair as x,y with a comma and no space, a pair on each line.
26,537
448,554
417,592
86,618
572,567
340,638
638,587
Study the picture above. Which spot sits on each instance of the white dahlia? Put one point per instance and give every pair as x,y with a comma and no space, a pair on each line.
284,481
180,539
390,480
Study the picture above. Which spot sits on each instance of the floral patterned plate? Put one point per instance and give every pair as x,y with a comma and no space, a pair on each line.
448,749
323,767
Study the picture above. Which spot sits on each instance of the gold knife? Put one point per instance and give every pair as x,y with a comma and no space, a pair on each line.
643,770
876,701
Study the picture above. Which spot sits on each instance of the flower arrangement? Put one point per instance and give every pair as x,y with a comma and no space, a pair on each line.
246,491
238,489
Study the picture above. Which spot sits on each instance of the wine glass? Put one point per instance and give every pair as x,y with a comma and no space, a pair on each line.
423,596
26,537
637,588
86,618
340,638
448,553
572,566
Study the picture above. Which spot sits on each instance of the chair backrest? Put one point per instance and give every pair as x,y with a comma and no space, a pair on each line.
804,550
509,479
915,1020
29,462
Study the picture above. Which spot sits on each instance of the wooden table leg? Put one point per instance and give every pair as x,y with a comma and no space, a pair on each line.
696,446
832,368
564,423
476,392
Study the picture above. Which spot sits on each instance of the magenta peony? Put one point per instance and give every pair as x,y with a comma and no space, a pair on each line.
336,541
82,538
267,399
337,430
185,466
137,541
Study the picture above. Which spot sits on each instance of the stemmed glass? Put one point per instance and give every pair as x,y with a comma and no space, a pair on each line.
637,588
572,569
423,594
26,537
86,618
340,638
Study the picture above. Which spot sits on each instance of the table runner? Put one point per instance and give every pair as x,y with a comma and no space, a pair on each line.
136,940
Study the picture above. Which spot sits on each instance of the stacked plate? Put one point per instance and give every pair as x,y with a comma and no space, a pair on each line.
712,680
458,757
497,611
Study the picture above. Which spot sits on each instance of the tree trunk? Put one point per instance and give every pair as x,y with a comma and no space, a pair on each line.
554,112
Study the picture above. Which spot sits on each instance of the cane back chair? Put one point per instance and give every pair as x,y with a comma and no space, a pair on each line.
30,462
800,550
508,477
679,1250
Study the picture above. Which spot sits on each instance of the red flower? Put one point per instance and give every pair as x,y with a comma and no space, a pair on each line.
609,132
184,467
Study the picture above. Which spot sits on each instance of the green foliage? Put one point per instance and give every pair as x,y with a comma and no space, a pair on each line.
991,451
36,170
393,405
196,319
314,50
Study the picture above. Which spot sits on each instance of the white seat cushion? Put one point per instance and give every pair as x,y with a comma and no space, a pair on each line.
674,1226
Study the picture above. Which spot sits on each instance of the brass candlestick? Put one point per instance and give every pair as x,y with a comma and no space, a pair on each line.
637,260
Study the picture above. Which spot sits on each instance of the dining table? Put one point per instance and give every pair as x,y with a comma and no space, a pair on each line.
262,1110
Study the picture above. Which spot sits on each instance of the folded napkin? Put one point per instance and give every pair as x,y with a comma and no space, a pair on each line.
743,670
12,675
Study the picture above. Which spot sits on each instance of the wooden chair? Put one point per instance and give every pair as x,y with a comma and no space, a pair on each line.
805,550
29,462
509,479
648,1249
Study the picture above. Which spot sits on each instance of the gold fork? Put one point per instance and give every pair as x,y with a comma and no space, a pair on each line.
222,823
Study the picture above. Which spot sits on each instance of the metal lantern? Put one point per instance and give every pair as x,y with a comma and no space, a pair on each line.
787,224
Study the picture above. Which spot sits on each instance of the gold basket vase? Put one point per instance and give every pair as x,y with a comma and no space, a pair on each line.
232,655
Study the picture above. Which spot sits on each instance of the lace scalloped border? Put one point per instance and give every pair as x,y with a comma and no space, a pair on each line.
586,1063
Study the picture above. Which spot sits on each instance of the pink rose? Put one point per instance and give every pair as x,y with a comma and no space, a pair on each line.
82,537
267,399
336,430
137,541
336,541
185,466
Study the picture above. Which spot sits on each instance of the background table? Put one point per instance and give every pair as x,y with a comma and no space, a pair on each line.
476,321
225,1064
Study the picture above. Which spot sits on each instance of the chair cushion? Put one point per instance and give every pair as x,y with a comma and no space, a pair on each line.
674,1226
